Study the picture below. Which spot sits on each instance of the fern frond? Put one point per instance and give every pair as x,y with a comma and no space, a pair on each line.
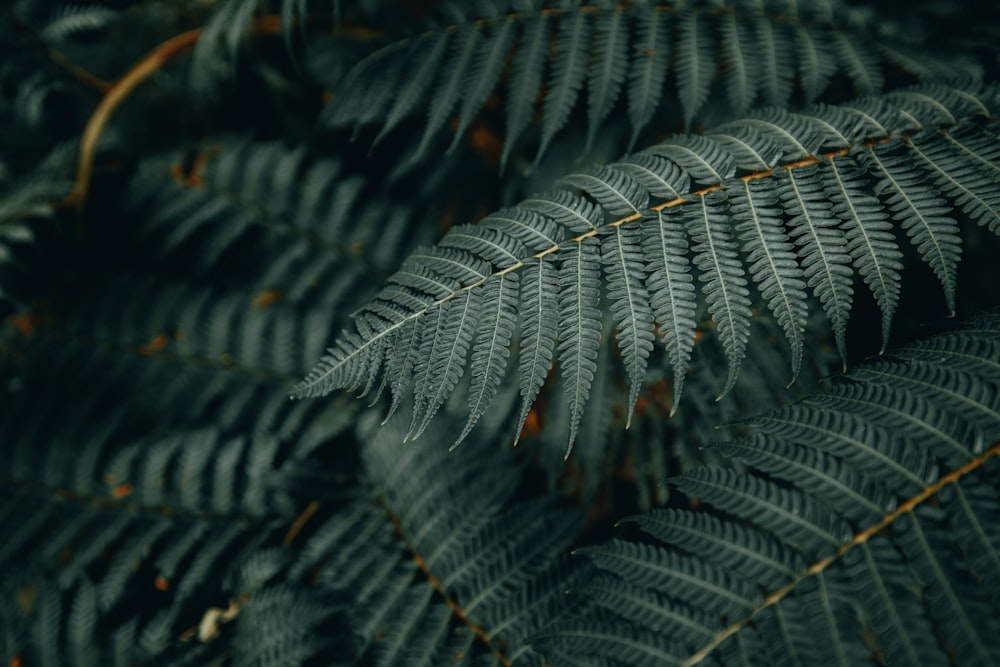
773,266
649,70
456,535
756,50
809,221
672,293
893,568
569,68
722,277
695,66
608,66
825,262
579,319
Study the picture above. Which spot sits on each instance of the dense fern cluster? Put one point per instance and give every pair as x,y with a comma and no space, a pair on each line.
627,237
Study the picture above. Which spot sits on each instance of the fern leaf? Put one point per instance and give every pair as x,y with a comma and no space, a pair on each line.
452,84
445,361
539,295
922,214
579,326
613,189
897,618
415,85
490,349
703,158
971,188
877,451
864,570
750,149
534,230
795,518
754,555
958,392
723,280
694,63
489,242
630,306
832,225
569,69
869,239
576,645
646,608
705,585
672,294
825,261
861,64
954,610
773,266
775,58
740,62
816,64
977,146
483,76
973,509
577,215
608,67
799,137
853,494
649,70
525,81
661,177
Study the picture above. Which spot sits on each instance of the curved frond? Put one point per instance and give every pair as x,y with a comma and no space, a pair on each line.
811,221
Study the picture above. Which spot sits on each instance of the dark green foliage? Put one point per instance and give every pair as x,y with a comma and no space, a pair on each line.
833,514
449,195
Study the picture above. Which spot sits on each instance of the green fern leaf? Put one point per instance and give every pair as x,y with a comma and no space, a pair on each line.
774,269
794,518
452,85
444,362
489,351
861,64
805,222
825,262
672,294
817,64
869,239
483,76
539,295
754,554
740,62
838,558
414,87
922,214
608,67
695,66
569,70
579,332
775,58
649,70
971,188
525,81
722,277
630,306
707,586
